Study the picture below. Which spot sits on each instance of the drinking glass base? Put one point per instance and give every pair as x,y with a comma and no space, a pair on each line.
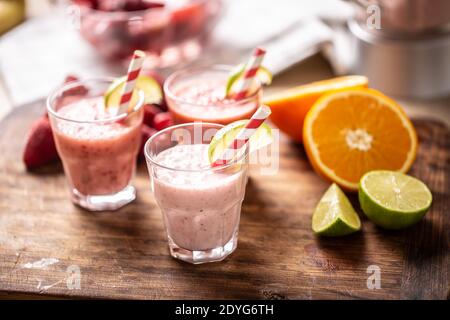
104,202
203,256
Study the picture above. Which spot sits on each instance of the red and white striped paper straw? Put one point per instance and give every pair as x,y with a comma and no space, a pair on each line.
249,73
241,139
133,73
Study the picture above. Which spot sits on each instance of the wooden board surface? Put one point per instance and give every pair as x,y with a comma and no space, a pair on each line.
124,254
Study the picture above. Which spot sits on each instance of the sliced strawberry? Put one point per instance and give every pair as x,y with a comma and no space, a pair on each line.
40,148
86,3
135,5
70,78
162,120
147,132
111,5
128,5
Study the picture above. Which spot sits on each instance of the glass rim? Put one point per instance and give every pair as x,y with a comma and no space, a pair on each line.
215,67
67,86
206,169
137,14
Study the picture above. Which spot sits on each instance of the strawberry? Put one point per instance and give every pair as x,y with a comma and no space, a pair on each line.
163,105
150,111
86,3
135,5
162,120
128,5
40,148
146,132
70,78
111,5
77,90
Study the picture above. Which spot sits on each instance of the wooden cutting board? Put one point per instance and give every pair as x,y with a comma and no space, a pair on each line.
45,240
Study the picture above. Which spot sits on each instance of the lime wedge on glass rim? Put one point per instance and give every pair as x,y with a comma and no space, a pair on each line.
334,215
393,200
223,138
150,87
264,76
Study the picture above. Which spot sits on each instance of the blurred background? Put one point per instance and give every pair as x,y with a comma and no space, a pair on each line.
402,46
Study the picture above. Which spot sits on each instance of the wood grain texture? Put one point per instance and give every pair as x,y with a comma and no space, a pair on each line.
124,254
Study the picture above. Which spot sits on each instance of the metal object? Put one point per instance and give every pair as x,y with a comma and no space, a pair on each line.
409,16
409,55
413,66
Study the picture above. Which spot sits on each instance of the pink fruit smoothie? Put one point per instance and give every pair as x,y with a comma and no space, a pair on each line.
201,209
206,101
98,158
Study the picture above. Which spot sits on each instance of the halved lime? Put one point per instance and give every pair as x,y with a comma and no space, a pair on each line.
334,215
150,87
264,76
393,200
222,139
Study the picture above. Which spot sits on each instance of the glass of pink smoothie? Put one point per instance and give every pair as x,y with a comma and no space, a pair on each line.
201,205
198,94
98,148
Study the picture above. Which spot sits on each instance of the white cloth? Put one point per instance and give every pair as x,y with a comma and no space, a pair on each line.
36,56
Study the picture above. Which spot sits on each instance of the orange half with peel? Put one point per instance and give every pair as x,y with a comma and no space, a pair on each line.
290,107
351,132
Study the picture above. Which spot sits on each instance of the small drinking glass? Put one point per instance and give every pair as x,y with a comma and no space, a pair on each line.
200,204
198,94
98,152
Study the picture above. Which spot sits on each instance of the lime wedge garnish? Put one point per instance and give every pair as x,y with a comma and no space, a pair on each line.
334,214
150,87
393,200
264,76
222,139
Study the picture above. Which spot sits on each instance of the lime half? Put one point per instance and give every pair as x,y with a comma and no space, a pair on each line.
223,138
393,200
150,87
264,76
334,215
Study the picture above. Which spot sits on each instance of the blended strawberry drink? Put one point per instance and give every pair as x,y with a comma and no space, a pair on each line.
199,94
201,205
97,146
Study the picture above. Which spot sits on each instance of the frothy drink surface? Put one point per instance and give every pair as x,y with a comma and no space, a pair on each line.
205,100
201,209
98,158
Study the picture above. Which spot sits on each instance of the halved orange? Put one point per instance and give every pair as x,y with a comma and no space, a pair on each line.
351,132
289,107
